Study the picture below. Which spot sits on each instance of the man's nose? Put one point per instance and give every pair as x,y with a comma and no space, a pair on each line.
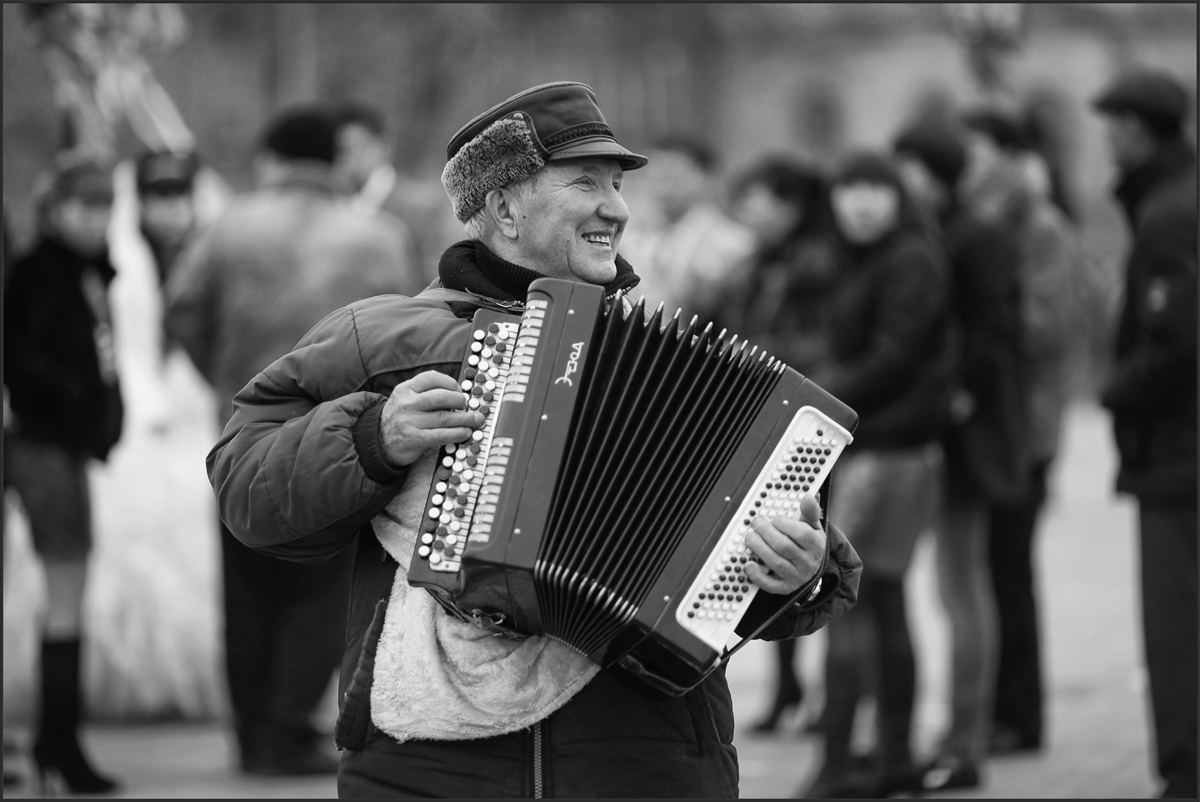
614,208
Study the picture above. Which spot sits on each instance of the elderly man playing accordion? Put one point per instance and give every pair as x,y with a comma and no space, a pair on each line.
329,447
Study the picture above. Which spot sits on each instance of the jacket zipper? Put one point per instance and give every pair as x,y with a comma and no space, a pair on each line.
537,760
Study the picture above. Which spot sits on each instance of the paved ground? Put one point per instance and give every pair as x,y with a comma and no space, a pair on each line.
1097,722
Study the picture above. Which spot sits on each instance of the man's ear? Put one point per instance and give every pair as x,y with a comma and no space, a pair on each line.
498,202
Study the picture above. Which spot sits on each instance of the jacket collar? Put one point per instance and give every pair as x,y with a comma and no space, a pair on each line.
469,266
1170,160
51,247
306,174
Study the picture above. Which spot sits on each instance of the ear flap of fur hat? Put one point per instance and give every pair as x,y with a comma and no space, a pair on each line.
502,153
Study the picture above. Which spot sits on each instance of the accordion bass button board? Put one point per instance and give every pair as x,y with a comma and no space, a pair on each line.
606,500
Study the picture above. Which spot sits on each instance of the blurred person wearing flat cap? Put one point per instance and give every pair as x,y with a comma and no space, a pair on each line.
276,261
333,446
65,400
1151,393
167,214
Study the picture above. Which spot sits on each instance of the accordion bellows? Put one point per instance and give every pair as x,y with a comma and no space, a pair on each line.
605,501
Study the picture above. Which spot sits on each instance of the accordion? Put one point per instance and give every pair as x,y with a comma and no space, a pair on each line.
605,501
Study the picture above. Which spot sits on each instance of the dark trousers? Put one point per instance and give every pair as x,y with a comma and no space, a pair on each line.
1011,527
285,627
1169,620
870,651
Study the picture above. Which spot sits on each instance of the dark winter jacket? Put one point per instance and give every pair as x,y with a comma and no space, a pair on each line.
889,351
299,473
59,361
1152,393
988,454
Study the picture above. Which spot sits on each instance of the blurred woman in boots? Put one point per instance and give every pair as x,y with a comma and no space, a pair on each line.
60,370
889,358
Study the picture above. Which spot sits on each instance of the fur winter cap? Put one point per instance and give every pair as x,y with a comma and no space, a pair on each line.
514,139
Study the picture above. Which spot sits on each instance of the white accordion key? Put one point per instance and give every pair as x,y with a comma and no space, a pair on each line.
800,463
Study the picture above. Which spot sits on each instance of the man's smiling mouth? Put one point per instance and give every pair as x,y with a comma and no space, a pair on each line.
599,239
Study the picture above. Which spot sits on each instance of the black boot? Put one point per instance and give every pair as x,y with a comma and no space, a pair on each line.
57,752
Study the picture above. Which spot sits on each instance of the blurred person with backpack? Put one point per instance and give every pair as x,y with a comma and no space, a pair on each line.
1007,184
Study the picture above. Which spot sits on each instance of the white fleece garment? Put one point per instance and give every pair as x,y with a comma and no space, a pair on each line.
439,678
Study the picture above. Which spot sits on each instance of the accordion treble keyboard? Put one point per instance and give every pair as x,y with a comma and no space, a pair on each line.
459,502
718,598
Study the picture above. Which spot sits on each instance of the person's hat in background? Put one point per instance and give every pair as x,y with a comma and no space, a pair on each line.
1150,93
165,173
79,176
303,133
866,167
938,146
514,139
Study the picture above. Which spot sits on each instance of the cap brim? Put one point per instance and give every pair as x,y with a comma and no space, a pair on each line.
600,148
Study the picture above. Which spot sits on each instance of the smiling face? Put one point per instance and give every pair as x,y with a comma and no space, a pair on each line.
572,222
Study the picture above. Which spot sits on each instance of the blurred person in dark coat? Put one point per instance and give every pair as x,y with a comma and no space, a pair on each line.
782,307
66,407
1152,393
416,208
986,444
1008,184
273,264
889,359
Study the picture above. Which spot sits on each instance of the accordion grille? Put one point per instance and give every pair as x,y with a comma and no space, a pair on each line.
663,411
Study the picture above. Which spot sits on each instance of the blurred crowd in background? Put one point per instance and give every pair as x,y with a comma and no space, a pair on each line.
865,191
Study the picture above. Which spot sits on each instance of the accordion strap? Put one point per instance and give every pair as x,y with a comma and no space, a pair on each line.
467,297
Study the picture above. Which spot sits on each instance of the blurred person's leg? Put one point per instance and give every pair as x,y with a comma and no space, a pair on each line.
53,487
909,482
848,653
310,643
964,585
788,691
897,683
1169,619
251,607
1018,710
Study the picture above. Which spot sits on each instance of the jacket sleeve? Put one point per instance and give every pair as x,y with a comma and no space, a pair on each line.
910,305
1164,309
988,287
299,468
839,591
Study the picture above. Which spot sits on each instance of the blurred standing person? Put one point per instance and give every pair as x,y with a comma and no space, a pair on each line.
273,264
688,250
1152,393
889,360
783,308
65,397
416,208
1008,185
986,444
